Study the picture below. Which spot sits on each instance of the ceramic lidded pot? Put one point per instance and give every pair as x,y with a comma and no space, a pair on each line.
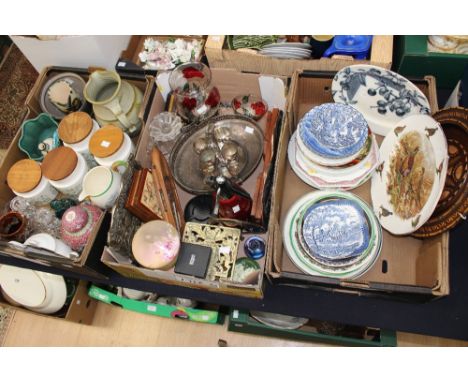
25,178
65,170
110,145
156,245
77,225
75,130
114,101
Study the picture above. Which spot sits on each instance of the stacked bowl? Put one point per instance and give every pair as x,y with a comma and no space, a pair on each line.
333,147
332,234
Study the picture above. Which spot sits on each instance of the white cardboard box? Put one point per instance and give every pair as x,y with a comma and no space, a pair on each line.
73,51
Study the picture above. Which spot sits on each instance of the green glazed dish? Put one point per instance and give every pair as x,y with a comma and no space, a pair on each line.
38,136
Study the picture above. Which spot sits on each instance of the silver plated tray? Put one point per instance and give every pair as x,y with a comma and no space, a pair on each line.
184,161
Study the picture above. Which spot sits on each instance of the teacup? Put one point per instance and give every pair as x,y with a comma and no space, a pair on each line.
101,185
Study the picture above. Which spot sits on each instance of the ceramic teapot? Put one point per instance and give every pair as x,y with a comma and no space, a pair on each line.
114,101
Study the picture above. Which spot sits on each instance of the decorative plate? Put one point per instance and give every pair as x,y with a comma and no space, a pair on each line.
56,293
409,181
453,203
333,130
335,229
326,177
76,83
382,96
302,258
185,162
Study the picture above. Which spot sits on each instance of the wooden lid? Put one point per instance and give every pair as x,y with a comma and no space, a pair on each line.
24,175
106,141
75,127
59,163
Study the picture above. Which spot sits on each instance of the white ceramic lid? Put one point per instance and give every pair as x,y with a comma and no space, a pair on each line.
22,285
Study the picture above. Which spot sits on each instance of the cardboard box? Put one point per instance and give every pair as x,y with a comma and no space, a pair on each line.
76,51
169,311
85,264
130,62
220,57
412,58
81,309
230,83
407,267
241,321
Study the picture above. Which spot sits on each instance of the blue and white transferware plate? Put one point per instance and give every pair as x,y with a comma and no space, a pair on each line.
333,130
336,229
382,96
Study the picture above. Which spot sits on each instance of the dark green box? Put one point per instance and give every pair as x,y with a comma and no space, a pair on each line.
241,321
411,59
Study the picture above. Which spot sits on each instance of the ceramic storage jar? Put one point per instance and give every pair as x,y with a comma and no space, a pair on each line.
25,178
75,130
111,146
65,170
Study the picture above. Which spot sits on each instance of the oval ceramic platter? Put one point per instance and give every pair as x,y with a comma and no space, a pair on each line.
382,96
453,203
321,177
408,183
325,245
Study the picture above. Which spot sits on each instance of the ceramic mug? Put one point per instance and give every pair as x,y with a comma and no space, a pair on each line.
101,185
72,184
106,90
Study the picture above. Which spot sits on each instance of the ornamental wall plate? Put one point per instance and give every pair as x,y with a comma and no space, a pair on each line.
453,203
382,96
408,183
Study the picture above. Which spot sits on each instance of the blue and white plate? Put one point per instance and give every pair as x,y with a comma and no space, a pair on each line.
382,96
333,130
336,229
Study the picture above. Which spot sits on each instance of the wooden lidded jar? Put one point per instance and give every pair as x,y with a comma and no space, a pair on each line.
110,145
65,170
25,178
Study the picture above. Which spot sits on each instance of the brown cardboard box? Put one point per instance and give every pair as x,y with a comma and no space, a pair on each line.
406,265
219,57
83,264
81,309
230,84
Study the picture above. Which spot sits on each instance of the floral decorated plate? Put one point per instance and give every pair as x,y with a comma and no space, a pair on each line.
302,258
250,106
382,96
333,130
409,180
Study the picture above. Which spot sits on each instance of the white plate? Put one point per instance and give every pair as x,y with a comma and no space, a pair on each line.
288,44
304,262
284,55
279,321
288,50
365,87
56,293
23,286
344,179
405,218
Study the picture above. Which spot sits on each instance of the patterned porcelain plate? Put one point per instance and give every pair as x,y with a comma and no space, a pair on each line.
409,181
338,178
307,263
335,229
382,96
333,130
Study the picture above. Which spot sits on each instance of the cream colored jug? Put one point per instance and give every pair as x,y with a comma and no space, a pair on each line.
114,101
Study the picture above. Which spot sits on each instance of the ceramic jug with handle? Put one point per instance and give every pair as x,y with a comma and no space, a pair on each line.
101,185
114,101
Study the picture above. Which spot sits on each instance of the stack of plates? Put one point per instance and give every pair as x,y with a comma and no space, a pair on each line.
37,291
333,148
295,50
332,234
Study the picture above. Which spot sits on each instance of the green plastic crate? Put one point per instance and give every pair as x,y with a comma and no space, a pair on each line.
241,321
169,311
